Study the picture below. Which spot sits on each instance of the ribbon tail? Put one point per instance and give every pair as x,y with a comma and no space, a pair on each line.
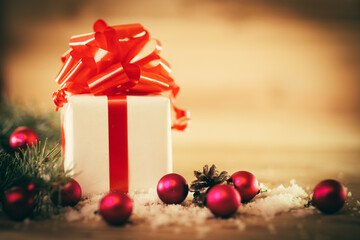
182,117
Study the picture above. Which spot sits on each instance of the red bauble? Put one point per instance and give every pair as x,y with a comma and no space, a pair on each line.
172,188
115,208
23,136
329,196
70,193
247,185
18,203
223,200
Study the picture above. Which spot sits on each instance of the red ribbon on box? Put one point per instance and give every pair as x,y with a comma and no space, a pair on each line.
118,144
112,61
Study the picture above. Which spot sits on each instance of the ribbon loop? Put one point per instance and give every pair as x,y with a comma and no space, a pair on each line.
109,62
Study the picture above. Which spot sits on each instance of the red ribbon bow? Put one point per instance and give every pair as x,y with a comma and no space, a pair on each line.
111,62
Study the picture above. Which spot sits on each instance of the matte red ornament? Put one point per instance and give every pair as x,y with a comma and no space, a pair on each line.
172,188
247,185
223,200
329,196
21,137
70,193
18,203
115,208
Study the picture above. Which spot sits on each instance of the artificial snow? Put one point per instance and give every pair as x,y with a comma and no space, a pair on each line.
149,210
279,200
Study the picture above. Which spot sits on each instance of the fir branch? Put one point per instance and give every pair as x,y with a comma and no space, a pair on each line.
9,171
38,165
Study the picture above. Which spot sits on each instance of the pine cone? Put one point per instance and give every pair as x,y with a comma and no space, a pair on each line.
205,181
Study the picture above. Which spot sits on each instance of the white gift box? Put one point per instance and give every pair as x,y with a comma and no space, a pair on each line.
87,140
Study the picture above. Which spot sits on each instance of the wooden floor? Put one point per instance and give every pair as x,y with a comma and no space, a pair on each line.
340,226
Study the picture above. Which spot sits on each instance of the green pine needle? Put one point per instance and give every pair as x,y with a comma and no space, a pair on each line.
39,165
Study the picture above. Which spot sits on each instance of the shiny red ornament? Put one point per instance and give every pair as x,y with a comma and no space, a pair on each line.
172,188
329,196
247,185
18,203
223,200
115,208
70,193
23,136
